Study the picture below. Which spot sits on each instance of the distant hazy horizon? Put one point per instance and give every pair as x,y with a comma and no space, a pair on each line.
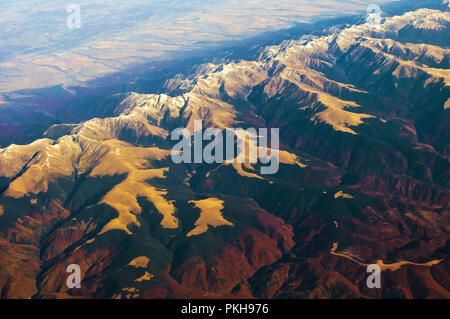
37,49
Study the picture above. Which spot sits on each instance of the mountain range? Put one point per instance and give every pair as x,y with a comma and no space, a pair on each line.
363,113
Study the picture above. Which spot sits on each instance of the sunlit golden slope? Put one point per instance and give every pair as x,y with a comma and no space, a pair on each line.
211,215
102,157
